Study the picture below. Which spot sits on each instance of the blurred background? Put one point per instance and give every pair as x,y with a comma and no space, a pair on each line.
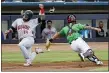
88,12
53,0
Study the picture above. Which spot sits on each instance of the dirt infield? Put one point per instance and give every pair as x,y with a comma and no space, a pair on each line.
57,66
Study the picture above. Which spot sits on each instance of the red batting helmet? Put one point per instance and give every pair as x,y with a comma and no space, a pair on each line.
71,18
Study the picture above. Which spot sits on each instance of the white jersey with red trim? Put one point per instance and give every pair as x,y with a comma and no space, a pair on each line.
25,29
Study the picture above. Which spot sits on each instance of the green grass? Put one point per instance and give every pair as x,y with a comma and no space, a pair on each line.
52,56
102,69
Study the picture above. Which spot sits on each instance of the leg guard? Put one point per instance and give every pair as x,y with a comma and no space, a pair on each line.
88,53
93,59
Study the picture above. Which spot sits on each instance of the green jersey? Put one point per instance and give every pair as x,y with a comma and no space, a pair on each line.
72,31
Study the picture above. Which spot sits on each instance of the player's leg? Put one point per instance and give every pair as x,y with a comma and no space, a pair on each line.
32,55
83,46
75,47
25,51
91,56
95,60
26,42
29,48
23,48
86,52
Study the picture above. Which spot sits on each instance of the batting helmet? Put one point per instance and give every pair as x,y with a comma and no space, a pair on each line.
27,15
71,18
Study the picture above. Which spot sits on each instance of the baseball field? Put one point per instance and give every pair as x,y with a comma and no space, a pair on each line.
61,58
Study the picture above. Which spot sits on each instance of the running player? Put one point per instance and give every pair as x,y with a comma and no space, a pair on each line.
25,27
71,32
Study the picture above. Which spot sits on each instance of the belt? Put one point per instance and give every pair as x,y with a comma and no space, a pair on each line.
73,40
23,38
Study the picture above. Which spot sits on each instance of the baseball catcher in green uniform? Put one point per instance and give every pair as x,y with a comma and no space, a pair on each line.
71,32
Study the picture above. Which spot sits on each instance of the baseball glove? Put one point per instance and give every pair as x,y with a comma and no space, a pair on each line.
47,44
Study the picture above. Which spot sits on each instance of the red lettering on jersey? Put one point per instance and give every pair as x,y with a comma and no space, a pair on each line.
27,27
23,27
19,27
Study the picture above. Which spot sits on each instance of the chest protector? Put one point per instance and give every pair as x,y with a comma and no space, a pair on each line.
70,30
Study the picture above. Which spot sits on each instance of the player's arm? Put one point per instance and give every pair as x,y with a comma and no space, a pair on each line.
41,14
92,28
13,28
41,17
82,27
57,35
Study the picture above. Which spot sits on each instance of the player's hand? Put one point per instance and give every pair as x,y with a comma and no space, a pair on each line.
51,40
98,29
6,32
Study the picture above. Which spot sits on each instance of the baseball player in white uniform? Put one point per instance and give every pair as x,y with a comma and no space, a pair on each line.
25,27
48,32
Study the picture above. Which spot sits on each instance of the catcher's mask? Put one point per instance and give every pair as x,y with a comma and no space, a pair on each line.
71,18
27,15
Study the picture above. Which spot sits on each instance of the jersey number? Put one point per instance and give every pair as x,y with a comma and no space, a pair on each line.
25,32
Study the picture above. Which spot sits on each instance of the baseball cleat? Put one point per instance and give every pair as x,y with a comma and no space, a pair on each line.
27,64
48,50
99,63
38,50
81,57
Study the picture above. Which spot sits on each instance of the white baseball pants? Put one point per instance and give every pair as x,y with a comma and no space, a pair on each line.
79,45
25,46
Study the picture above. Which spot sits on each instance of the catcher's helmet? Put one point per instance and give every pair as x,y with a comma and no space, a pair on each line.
27,15
71,18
